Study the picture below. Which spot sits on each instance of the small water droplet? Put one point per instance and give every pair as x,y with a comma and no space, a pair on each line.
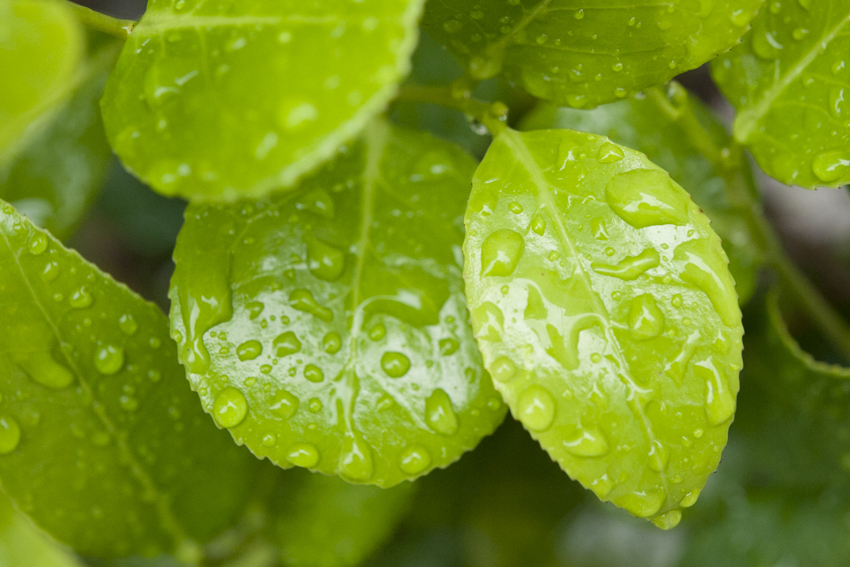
668,520
448,346
720,401
690,498
283,404
414,459
10,434
325,261
610,153
501,252
332,343
314,405
128,324
303,455
765,44
629,268
377,332
355,460
313,373
303,300
128,403
395,364
832,166
109,359
286,343
439,413
659,456
515,208
296,115
536,409
645,318
230,408
38,244
50,272
578,14
269,440
677,301
249,350
587,442
538,224
452,26
502,369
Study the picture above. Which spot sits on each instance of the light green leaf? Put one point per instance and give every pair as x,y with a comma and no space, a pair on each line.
243,97
41,44
53,169
322,521
327,327
101,441
24,545
605,312
722,186
790,81
586,53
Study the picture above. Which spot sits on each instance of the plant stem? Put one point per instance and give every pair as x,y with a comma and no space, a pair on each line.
101,22
727,161
492,115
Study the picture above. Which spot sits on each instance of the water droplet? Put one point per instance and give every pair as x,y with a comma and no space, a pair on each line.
645,318
536,409
313,373
600,231
51,272
325,262
283,404
838,66
501,252
832,166
294,115
303,455
314,405
331,343
578,14
629,268
502,369
659,456
538,224
109,359
377,332
128,403
128,324
642,504
476,14
286,343
645,198
319,202
719,401
10,434
414,459
448,347
452,26
588,442
677,301
439,413
303,300
704,268
249,350
765,44
395,364
230,408
269,440
515,208
355,460
38,244
799,33
690,498
668,520
610,153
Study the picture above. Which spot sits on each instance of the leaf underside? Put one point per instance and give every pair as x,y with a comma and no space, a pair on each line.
605,312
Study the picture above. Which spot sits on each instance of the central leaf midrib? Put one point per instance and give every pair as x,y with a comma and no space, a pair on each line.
162,503
523,155
160,22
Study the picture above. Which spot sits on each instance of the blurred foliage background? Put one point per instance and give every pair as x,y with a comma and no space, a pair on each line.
779,498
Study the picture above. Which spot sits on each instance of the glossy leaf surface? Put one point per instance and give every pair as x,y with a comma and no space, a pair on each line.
23,545
586,53
790,81
90,384
244,97
323,521
53,169
715,186
605,312
327,327
40,46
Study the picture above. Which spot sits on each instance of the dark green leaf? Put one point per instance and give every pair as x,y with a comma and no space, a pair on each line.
101,441
53,169
723,190
586,53
605,312
241,97
790,82
323,521
327,327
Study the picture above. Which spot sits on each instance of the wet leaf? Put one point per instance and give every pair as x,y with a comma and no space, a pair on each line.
605,312
322,521
53,169
790,82
583,54
723,190
90,384
41,44
327,327
244,97
24,545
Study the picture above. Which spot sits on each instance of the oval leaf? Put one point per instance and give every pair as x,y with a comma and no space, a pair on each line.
790,82
322,521
327,327
605,312
101,441
583,54
724,190
245,96
41,44
52,171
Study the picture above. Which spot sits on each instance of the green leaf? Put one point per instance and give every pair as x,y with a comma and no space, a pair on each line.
722,186
243,97
41,44
584,54
101,441
605,312
323,521
789,81
327,327
23,545
53,169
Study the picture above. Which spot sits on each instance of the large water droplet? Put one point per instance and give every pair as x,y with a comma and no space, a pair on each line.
646,197
719,401
501,252
536,409
324,261
668,520
395,364
355,460
44,370
832,166
645,318
303,455
414,459
249,350
283,404
81,298
313,373
230,408
286,343
610,153
439,413
109,359
10,434
331,343
588,442
629,268
705,268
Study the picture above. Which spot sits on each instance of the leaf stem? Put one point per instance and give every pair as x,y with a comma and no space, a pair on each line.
727,161
101,22
492,115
